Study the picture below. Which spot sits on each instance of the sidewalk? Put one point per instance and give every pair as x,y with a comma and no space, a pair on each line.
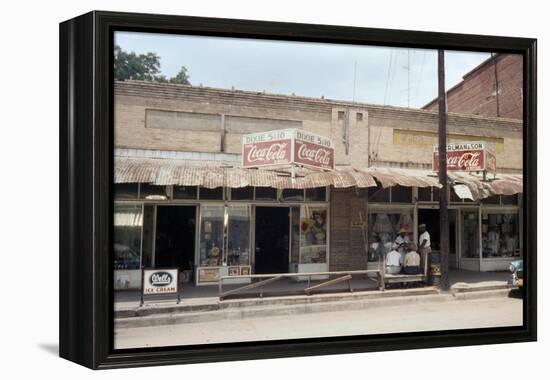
202,303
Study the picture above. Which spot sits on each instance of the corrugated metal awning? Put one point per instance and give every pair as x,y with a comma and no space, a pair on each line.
211,174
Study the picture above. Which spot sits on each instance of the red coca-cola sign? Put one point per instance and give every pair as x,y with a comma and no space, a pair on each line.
466,157
288,146
275,152
309,154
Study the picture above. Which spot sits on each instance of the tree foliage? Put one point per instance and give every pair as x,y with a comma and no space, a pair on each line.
144,67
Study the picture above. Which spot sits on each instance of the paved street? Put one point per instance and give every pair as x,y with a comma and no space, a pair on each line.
491,312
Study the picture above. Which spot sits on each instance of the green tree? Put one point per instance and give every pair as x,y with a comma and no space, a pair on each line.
182,77
144,67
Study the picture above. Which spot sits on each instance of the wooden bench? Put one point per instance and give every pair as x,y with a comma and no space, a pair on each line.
402,278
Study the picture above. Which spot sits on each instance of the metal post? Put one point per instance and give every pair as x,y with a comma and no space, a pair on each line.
443,204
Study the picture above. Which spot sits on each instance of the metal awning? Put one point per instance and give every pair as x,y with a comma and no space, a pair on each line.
212,174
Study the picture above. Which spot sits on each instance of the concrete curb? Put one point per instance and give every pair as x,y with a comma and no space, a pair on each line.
281,309
213,304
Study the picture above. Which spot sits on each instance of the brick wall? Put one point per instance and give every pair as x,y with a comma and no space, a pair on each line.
346,241
377,136
476,93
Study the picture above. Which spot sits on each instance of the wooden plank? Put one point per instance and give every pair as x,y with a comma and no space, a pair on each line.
327,283
250,286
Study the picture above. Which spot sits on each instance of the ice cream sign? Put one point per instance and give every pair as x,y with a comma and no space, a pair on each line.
286,147
466,157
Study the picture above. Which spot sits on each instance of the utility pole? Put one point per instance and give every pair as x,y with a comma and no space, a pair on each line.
443,209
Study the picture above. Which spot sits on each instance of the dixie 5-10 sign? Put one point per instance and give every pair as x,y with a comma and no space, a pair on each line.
287,146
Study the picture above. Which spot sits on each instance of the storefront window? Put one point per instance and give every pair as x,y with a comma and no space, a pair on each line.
425,194
384,230
401,194
500,234
126,190
296,195
295,235
379,194
153,192
470,234
317,194
238,234
185,192
242,193
495,200
266,194
509,199
128,220
211,194
211,235
149,227
313,234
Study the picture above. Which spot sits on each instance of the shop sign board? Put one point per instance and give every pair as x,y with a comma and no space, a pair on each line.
287,147
159,281
468,157
313,150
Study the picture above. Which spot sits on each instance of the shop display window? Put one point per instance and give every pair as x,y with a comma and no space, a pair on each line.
379,194
153,192
500,234
126,190
211,235
149,229
127,222
242,194
238,235
211,194
384,230
425,194
401,194
185,192
266,194
317,194
470,234
296,195
313,234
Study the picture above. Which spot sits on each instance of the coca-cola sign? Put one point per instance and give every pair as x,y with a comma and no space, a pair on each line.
466,157
313,150
288,146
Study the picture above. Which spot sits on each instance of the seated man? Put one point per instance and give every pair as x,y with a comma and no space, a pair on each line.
411,261
393,260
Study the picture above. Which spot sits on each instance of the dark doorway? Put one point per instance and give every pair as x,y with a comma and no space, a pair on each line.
272,240
430,217
175,237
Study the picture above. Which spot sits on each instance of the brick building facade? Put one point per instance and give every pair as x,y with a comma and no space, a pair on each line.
171,129
492,89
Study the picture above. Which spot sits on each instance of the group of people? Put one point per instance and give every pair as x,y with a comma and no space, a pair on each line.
403,257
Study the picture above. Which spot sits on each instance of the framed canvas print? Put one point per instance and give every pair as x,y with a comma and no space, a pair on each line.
237,189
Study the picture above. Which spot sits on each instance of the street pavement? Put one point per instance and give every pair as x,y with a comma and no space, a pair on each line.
463,314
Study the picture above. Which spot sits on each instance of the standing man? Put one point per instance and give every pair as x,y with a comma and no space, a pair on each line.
423,240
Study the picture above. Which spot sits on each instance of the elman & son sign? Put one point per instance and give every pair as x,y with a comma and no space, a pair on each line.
468,157
287,147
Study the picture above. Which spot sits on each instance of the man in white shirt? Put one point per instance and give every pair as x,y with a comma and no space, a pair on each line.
394,260
424,239
402,240
411,263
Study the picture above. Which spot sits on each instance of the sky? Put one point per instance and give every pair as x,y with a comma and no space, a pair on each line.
377,75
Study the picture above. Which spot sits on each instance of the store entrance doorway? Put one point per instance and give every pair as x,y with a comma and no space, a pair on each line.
175,237
430,218
272,240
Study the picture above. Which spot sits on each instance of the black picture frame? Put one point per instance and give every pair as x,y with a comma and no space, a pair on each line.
86,172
